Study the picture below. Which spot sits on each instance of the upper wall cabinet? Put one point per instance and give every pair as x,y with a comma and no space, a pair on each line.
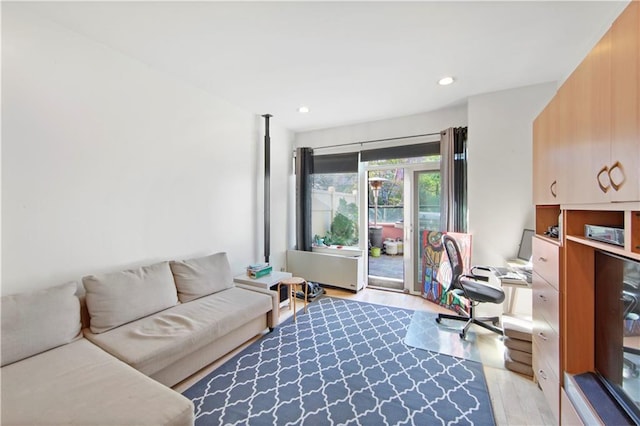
591,129
588,137
623,168
545,183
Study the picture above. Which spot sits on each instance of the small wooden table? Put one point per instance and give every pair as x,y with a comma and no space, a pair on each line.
291,284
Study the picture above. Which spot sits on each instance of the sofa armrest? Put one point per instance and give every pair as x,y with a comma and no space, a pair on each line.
274,315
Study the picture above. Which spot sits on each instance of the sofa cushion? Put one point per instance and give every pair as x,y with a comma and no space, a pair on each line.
118,298
201,276
37,321
80,384
155,342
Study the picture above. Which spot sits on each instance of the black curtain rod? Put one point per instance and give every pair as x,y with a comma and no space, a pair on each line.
378,140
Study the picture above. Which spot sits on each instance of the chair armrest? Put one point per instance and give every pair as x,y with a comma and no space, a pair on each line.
274,315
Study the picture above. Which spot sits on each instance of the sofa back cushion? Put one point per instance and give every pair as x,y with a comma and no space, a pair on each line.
37,321
201,276
117,298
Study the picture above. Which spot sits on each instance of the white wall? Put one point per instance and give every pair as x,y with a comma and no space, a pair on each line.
500,169
428,122
108,164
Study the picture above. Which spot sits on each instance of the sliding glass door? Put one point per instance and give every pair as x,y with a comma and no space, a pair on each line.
426,217
386,227
403,202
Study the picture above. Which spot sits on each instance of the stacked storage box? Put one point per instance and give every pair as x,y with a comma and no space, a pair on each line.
518,346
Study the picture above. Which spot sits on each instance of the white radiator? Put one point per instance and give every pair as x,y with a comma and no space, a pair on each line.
331,269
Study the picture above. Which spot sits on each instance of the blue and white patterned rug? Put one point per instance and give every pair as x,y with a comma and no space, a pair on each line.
343,363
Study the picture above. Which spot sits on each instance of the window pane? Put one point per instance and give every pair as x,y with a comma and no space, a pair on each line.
390,206
334,208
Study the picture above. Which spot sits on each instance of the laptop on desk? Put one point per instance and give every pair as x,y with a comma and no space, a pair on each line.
519,268
523,260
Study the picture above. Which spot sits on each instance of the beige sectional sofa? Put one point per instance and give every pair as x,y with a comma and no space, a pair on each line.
148,328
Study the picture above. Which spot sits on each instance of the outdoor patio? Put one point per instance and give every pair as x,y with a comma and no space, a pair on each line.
386,271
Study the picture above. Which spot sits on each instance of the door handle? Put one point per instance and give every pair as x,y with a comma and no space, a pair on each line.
603,188
552,188
617,166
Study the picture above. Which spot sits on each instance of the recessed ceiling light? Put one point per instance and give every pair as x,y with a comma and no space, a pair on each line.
303,109
445,81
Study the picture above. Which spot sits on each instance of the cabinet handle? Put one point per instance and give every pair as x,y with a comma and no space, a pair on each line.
617,166
541,374
541,296
552,188
542,259
542,336
603,188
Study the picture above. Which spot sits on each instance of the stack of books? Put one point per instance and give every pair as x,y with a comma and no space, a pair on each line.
259,270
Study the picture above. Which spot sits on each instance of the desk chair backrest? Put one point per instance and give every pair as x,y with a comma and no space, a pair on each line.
455,260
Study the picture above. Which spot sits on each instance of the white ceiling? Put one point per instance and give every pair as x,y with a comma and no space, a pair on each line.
348,61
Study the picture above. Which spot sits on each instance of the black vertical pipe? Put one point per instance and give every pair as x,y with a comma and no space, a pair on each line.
267,187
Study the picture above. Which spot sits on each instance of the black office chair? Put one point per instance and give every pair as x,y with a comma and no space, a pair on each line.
475,291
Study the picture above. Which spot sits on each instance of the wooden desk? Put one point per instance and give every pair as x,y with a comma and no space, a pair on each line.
511,286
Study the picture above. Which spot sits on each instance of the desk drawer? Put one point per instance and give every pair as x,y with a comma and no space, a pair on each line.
547,380
546,302
545,259
548,342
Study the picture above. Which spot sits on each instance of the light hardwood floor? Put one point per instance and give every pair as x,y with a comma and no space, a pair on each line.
516,399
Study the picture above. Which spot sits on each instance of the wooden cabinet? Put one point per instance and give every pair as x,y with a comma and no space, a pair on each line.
587,140
549,138
588,144
546,319
624,164
545,185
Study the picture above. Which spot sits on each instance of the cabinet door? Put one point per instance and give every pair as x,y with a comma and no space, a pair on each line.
625,114
584,176
561,163
544,187
598,140
573,112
